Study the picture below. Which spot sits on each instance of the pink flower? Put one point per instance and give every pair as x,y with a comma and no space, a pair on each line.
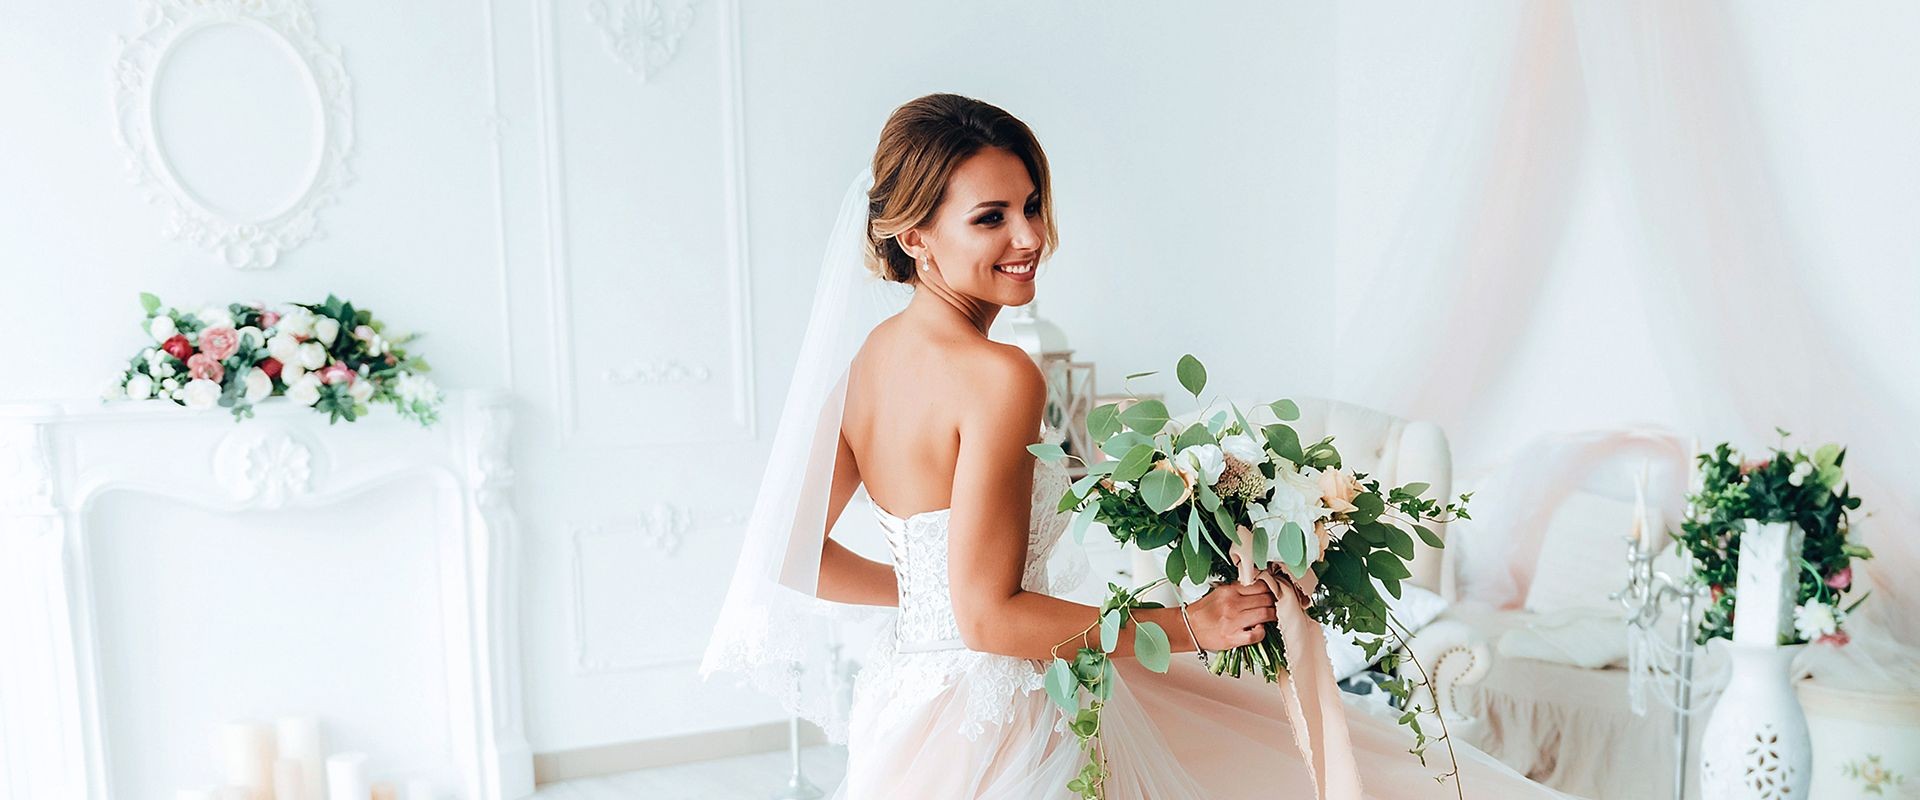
337,373
1842,579
1755,465
1837,638
219,342
203,366
269,319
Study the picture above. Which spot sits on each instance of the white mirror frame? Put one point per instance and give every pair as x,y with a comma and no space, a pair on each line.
242,244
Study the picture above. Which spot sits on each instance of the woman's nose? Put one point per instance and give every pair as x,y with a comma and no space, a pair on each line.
1026,235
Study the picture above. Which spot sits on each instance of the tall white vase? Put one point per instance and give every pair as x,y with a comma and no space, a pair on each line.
1756,744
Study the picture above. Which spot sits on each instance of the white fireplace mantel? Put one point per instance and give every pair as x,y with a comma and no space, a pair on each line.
59,460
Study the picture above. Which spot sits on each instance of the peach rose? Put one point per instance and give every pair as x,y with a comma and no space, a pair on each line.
1337,490
1186,493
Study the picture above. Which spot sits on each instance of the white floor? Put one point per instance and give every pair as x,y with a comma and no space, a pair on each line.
762,776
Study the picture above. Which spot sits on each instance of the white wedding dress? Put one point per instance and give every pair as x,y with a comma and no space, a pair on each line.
932,719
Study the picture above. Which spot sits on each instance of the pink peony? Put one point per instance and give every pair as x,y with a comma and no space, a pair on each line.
1842,579
203,366
220,342
337,373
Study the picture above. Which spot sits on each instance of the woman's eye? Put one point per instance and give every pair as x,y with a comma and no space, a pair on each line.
988,219
1033,210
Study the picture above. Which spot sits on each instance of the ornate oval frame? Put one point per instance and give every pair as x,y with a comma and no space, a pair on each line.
242,244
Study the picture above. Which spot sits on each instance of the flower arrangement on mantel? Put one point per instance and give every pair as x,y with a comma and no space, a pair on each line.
1792,486
328,356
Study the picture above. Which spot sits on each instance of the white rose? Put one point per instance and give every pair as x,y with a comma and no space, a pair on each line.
1201,463
259,336
284,348
291,372
162,328
1244,449
326,329
169,385
298,321
201,394
306,392
363,332
1296,498
163,369
377,346
312,355
215,317
1814,620
360,390
259,386
139,387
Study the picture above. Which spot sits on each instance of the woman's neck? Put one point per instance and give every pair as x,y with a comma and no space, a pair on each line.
946,307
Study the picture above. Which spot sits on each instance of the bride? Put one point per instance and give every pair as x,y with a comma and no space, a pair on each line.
898,388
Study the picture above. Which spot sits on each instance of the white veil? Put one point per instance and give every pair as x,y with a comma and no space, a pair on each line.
772,624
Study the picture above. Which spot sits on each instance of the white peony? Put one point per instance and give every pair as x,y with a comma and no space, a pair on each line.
306,391
162,328
201,394
360,390
139,387
259,386
1296,498
1244,448
214,317
326,329
284,348
291,372
1815,619
298,320
312,355
1201,464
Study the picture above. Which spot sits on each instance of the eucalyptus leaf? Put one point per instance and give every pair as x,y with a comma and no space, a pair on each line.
1198,565
1146,416
1062,686
1142,374
1103,421
1176,567
149,303
1119,444
1192,374
1081,522
1399,542
1110,630
1290,544
1427,535
1416,489
1086,483
1050,453
1151,646
1196,434
1285,442
1285,410
1162,489
1136,463
1261,548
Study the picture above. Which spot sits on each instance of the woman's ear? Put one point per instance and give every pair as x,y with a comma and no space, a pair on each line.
913,242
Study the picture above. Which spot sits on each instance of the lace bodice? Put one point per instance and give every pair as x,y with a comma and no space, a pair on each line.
923,654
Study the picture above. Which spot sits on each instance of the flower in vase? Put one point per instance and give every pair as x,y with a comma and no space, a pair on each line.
1814,620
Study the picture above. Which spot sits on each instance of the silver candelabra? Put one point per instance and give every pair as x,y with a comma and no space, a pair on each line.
1646,596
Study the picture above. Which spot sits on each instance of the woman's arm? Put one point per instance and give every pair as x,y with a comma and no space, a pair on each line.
846,577
992,499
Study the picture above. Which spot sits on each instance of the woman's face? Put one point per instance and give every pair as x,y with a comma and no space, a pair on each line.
985,239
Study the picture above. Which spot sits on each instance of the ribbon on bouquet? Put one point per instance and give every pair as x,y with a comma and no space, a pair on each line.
1318,717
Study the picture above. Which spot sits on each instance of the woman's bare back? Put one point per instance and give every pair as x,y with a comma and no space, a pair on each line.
906,393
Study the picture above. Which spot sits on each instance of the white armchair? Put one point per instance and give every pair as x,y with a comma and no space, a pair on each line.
1394,451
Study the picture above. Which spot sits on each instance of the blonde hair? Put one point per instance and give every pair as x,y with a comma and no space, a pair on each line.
920,146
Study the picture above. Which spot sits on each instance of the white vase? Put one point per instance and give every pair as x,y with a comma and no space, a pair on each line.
1756,743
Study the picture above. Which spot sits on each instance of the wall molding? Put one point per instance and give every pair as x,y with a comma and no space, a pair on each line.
643,35
661,527
242,244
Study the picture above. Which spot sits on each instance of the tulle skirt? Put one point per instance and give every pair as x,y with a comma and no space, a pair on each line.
1183,735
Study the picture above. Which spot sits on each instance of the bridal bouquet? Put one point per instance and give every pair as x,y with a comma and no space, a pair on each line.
1228,499
329,356
1808,490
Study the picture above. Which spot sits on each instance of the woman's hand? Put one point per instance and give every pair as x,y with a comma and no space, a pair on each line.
1232,615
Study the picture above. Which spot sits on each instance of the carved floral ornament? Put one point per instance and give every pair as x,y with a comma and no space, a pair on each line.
643,35
273,218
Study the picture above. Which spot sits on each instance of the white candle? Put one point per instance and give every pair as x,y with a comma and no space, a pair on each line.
195,794
235,793
290,779
247,755
1643,527
347,777
299,739
386,790
418,789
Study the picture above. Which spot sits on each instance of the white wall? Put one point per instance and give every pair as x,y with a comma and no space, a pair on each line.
544,216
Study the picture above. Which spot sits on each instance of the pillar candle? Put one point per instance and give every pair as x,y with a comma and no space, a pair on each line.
247,755
418,789
299,739
386,790
235,793
195,794
290,780
347,777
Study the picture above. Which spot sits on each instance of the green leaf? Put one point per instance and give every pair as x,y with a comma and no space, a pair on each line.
1261,547
1142,374
1146,416
1118,445
1392,586
1223,519
1103,421
1068,500
149,303
1081,521
1176,567
1285,410
1195,434
1193,375
1399,542
1217,423
1367,507
1427,535
1385,565
1194,529
1050,453
1086,483
1292,545
1197,565
1208,500
1108,677
1135,464
1162,489
1151,646
1156,536
1110,630
1282,440
1062,686
1416,489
